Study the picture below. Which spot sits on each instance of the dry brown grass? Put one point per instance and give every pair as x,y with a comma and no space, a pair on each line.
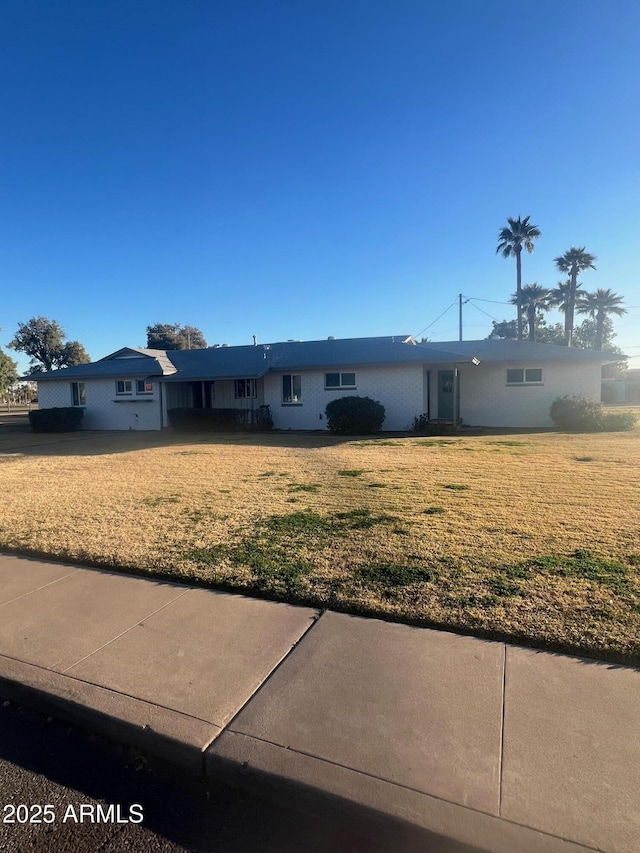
267,514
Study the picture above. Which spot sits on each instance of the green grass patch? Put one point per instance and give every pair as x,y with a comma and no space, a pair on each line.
351,472
435,442
304,487
581,565
509,443
434,510
455,487
393,574
583,458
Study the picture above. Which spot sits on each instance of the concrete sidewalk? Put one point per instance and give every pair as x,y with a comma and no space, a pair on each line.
480,745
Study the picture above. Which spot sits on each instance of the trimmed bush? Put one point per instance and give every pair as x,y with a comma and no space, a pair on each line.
620,421
221,420
64,419
354,416
579,414
421,424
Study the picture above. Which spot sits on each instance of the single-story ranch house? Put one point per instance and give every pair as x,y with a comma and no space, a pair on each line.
494,383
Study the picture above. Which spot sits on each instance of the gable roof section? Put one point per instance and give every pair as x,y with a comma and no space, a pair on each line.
143,363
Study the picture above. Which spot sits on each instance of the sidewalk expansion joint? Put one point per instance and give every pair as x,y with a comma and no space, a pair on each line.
126,631
267,678
44,586
400,785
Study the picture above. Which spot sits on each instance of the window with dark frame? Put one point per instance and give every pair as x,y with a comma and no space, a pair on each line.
78,394
245,388
143,386
123,386
339,380
291,388
524,376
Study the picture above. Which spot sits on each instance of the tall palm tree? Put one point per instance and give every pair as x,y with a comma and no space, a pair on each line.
559,298
518,235
533,299
599,305
573,262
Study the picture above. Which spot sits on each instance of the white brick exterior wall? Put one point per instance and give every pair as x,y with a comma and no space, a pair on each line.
487,400
399,389
485,397
101,412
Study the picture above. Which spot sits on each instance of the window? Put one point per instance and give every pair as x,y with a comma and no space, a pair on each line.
245,388
339,380
524,376
123,386
291,388
78,394
143,386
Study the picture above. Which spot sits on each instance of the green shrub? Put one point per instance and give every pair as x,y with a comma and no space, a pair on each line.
64,419
619,421
421,424
354,416
224,420
579,414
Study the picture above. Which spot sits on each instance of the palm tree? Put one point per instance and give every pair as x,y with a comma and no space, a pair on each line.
573,261
599,305
518,235
533,299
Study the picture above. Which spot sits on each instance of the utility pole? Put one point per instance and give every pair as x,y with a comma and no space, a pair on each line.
459,316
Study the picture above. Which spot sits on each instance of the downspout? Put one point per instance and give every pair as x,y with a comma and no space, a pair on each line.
456,401
161,405
428,394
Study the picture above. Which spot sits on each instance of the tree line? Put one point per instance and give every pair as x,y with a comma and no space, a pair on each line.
533,300
44,341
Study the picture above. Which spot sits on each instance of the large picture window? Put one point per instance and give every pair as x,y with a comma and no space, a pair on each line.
78,394
292,388
524,376
245,388
339,380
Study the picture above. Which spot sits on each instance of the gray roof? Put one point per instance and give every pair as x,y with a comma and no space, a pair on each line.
235,362
144,363
510,351
255,361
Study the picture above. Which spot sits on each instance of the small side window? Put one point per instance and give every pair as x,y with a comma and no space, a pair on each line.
78,394
516,375
143,386
123,386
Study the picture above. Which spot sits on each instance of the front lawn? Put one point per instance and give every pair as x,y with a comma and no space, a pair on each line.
533,537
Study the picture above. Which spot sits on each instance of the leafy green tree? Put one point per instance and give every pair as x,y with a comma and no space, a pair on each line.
572,263
8,372
534,299
44,341
518,235
170,336
503,329
599,305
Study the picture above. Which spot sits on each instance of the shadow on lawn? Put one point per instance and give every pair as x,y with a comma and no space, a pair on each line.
16,436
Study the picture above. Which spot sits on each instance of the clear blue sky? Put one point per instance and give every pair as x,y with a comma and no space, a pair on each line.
305,168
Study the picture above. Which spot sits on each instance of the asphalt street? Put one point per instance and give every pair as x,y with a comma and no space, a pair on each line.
47,763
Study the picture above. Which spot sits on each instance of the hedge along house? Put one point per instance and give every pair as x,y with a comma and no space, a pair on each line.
495,383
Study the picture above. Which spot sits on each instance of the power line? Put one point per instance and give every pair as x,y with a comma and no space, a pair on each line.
437,318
